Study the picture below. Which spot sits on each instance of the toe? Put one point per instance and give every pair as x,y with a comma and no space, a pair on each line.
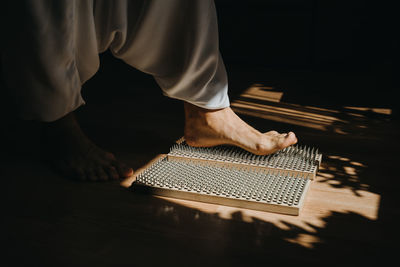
101,174
288,140
112,172
91,175
123,170
108,156
292,138
80,175
272,133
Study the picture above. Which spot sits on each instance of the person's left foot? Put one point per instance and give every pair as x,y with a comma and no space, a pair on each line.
71,153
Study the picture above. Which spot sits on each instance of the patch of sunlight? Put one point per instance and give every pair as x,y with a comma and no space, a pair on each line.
355,115
355,163
350,170
339,131
338,157
343,172
334,182
287,114
383,111
261,92
327,175
305,240
326,196
288,111
265,102
322,109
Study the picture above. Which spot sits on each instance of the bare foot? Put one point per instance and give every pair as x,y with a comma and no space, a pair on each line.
67,148
204,128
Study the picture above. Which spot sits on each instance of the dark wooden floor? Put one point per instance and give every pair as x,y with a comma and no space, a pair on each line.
350,216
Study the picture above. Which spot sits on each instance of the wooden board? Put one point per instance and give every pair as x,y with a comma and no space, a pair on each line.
218,184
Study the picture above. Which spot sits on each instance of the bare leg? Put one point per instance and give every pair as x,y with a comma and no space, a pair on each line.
68,149
205,128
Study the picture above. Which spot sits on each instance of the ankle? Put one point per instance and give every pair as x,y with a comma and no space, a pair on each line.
64,132
193,112
197,115
65,123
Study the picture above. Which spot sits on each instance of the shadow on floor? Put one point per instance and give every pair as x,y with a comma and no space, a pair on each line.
53,221
49,220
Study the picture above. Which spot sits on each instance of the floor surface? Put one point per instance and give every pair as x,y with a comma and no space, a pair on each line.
349,216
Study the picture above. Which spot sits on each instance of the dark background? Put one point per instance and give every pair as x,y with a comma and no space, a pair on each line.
350,38
309,34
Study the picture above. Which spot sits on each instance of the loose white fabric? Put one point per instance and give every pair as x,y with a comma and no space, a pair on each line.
53,49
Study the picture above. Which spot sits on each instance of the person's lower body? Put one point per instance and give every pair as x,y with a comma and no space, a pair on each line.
176,41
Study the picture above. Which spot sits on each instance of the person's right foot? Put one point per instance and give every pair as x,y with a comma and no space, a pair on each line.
205,128
70,152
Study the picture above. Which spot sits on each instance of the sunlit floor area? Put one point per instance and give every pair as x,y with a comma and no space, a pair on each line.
349,216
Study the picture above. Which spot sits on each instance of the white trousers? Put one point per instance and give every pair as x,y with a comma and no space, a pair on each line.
52,48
